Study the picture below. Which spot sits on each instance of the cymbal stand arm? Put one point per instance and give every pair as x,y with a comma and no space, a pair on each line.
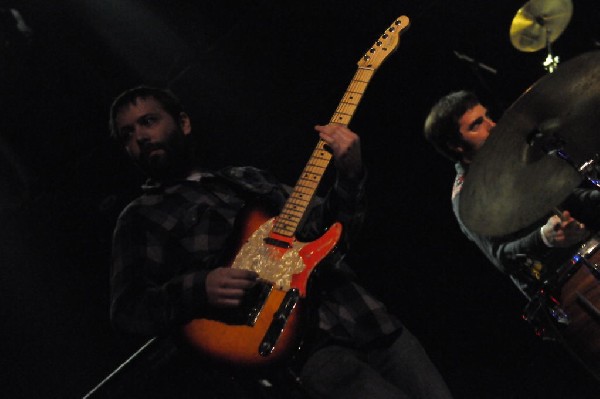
553,145
551,61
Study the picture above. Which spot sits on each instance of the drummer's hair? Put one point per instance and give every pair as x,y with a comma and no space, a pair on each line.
441,125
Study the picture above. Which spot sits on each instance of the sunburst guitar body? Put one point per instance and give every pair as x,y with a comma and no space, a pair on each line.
267,326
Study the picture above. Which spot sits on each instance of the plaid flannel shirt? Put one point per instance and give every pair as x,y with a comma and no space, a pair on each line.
168,239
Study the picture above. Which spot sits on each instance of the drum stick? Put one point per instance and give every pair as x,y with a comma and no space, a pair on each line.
558,213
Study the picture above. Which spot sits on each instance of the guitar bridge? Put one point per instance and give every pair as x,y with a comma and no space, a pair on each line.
249,310
280,319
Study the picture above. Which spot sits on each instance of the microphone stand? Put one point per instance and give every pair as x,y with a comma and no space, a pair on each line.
119,368
477,67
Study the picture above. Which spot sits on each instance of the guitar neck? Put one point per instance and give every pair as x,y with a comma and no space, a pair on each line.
354,93
306,186
293,211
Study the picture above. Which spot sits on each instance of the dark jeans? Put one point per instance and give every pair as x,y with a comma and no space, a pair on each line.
400,370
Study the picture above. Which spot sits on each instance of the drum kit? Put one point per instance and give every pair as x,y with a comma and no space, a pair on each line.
544,146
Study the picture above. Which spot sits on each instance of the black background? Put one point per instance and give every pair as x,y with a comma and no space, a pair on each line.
256,76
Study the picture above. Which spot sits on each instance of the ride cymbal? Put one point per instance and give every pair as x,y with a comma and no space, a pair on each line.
520,174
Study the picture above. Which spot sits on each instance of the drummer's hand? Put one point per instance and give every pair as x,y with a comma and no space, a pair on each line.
564,231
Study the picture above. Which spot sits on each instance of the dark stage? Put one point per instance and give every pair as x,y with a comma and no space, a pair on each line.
256,77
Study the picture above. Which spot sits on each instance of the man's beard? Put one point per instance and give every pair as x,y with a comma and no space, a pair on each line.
168,159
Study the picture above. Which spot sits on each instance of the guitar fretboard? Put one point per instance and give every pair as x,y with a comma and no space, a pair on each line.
345,110
293,211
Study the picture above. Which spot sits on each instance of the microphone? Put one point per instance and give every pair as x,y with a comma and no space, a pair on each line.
471,61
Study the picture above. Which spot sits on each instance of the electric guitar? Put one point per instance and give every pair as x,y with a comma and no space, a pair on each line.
265,328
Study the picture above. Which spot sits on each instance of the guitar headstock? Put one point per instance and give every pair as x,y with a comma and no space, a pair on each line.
385,45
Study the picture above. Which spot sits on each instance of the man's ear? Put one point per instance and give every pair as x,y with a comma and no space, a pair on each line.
460,152
185,123
459,149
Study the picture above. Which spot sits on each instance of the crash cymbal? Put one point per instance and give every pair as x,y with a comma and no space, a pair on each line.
516,179
539,22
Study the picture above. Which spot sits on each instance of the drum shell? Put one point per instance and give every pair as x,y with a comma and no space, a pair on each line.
578,293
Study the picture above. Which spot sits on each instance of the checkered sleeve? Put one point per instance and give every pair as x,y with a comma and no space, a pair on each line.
139,304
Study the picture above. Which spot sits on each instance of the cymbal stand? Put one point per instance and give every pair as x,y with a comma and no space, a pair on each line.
551,61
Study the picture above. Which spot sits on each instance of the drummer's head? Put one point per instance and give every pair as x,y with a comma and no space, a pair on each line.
458,125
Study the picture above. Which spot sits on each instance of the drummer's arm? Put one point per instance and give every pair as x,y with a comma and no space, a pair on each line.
558,232
507,254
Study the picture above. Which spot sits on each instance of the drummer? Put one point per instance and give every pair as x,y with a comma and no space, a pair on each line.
457,126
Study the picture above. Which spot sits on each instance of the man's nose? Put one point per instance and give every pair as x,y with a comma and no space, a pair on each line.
141,135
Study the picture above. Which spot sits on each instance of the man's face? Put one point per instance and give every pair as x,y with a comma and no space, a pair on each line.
474,126
153,139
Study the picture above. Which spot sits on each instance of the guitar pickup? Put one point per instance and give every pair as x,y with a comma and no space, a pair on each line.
255,301
280,318
277,243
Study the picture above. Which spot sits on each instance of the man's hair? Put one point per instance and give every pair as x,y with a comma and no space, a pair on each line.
442,126
166,98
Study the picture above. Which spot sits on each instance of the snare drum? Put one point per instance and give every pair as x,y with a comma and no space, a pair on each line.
572,304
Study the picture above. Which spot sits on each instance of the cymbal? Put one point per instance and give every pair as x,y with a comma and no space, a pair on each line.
539,22
513,180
